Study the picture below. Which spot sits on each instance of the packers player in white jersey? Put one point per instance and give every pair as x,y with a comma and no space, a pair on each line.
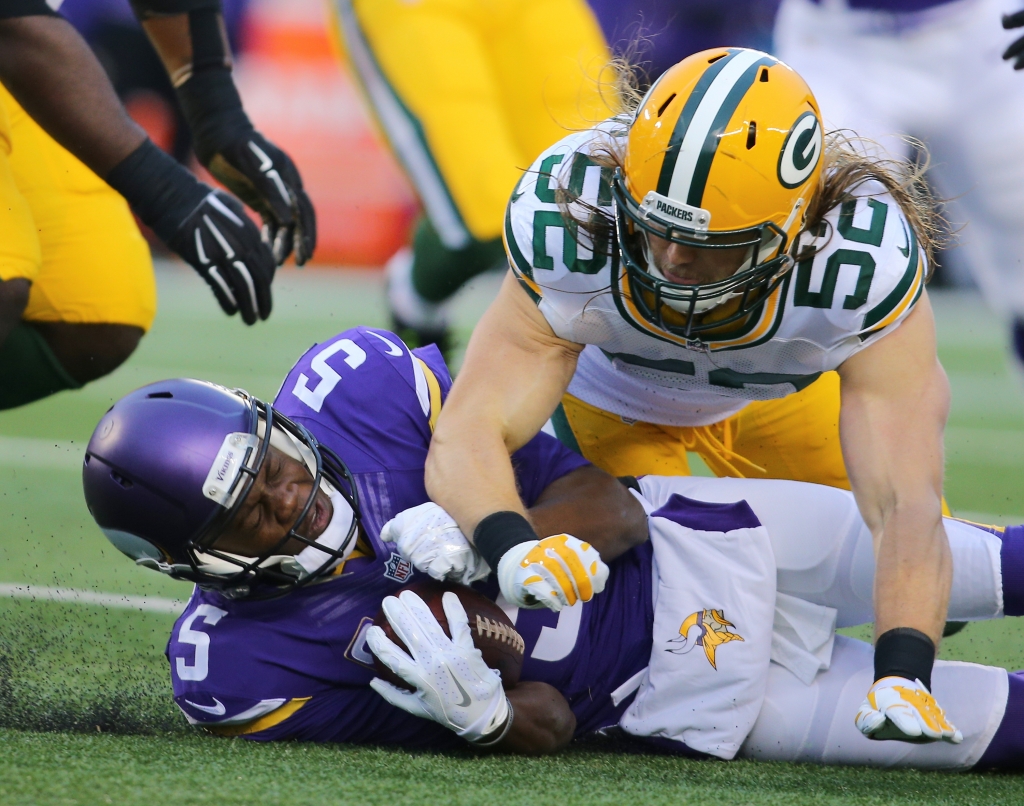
712,273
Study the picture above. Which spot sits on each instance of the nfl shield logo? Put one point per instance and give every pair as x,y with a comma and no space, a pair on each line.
397,568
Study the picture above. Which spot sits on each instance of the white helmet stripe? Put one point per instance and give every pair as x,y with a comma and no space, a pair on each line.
703,120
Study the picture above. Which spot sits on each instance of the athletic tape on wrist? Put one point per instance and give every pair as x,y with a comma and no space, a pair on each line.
905,652
160,191
499,532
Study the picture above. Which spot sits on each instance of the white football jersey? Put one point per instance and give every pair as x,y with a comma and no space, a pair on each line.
863,281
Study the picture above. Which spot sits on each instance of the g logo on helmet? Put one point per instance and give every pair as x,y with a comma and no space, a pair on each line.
800,151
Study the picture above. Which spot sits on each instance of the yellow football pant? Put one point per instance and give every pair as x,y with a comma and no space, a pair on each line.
795,437
469,92
67,231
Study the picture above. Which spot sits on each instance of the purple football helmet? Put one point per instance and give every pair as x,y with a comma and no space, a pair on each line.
170,464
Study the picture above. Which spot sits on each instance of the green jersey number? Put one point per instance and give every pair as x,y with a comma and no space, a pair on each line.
543,220
863,261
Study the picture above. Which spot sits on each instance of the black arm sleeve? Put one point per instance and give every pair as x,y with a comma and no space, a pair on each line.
24,8
144,9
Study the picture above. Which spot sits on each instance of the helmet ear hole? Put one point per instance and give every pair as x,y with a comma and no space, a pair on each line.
121,481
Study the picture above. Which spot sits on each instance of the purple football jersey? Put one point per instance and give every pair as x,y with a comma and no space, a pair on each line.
298,667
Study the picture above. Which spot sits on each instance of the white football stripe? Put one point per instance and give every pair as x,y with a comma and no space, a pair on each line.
223,286
244,271
703,118
228,251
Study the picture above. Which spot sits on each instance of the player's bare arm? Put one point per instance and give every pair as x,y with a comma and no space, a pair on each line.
895,401
49,68
54,75
593,506
895,404
193,47
515,372
543,722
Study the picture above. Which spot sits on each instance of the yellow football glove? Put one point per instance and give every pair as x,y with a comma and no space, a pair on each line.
902,709
555,572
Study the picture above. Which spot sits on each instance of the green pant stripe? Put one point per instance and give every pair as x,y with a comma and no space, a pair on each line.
405,134
563,430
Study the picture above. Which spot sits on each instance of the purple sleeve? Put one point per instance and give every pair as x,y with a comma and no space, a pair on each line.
541,461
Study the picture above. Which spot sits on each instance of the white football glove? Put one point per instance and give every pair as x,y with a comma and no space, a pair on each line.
431,540
902,709
555,572
454,687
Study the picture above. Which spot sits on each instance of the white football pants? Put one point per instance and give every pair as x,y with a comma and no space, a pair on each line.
823,554
936,75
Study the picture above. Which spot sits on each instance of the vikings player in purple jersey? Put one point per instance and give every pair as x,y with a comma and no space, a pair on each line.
180,478
287,518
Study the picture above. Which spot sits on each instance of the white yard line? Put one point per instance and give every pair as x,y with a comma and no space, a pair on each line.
154,604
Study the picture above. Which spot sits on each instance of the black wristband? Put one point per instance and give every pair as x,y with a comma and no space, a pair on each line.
905,652
160,191
213,108
499,532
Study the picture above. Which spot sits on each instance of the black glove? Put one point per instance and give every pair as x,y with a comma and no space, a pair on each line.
241,158
1016,49
220,242
207,228
265,178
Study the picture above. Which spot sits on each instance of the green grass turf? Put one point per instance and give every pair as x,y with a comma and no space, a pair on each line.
85,713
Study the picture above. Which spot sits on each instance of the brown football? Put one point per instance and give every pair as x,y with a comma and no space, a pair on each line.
493,634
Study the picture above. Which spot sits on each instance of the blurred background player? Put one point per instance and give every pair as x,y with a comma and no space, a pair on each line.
467,94
930,69
77,290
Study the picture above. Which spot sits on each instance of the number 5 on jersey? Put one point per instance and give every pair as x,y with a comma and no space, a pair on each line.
314,398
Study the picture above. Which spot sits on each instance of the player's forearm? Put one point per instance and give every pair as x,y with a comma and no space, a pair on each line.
914,572
469,473
50,70
542,721
172,40
515,372
595,507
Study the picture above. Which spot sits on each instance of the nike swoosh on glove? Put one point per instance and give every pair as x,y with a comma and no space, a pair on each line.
220,242
453,686
904,710
266,179
555,572
432,541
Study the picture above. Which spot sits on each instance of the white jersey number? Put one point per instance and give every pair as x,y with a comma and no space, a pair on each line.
200,640
314,398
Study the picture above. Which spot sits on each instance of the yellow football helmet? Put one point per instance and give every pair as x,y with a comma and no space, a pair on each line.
724,151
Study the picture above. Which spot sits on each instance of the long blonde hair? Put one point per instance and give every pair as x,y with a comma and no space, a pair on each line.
847,163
